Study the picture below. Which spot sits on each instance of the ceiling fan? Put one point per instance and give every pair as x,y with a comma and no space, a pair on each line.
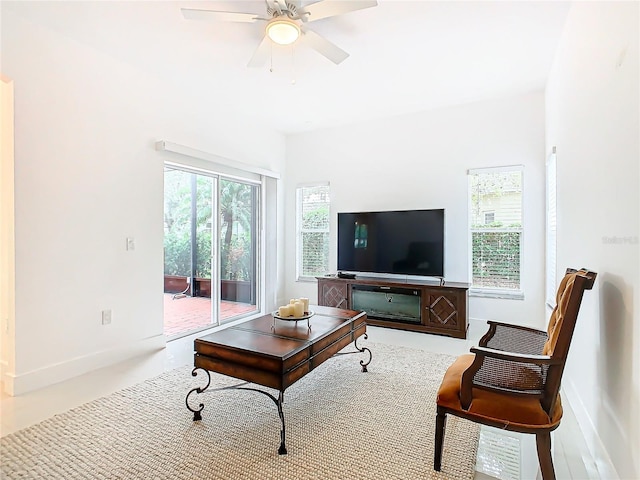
286,23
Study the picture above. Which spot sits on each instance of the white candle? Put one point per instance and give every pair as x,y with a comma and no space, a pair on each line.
284,311
305,302
298,309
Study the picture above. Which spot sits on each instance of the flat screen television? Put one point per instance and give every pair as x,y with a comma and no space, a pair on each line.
404,242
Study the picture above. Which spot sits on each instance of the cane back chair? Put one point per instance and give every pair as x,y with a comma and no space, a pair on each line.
512,379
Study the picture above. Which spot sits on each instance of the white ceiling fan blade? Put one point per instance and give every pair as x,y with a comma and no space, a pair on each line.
331,8
194,14
323,46
261,55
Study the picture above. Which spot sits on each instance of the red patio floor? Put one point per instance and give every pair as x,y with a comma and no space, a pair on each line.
187,314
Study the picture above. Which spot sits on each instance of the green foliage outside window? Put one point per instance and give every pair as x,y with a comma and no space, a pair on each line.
236,210
315,252
315,245
236,216
177,254
314,231
496,259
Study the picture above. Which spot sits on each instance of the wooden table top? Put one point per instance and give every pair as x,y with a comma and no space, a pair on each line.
278,354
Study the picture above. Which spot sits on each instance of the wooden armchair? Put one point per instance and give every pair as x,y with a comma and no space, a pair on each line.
512,379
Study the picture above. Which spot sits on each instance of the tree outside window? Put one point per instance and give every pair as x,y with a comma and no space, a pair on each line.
236,217
180,188
236,210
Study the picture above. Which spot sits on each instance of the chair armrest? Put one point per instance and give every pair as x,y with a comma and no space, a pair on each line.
505,372
513,338
515,356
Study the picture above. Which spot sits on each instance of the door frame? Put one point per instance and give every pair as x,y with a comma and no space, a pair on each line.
258,241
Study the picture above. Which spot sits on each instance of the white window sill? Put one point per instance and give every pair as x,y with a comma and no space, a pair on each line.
306,279
502,294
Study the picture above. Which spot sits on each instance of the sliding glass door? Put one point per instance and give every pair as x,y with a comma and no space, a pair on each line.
238,247
210,250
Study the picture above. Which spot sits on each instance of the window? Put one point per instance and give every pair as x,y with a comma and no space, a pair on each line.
312,221
496,229
489,217
551,230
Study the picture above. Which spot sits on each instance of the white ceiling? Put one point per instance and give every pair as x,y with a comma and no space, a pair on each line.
405,56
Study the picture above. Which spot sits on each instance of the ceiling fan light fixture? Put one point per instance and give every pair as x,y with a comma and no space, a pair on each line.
283,31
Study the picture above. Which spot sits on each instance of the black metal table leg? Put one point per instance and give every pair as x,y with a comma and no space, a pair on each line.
278,401
196,413
282,450
360,350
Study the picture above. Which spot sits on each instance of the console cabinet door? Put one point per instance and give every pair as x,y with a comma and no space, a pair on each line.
332,294
442,311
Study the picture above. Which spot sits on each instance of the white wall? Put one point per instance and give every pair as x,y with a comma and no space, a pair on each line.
7,226
421,161
86,177
592,105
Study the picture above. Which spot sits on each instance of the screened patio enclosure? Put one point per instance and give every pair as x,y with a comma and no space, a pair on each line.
210,249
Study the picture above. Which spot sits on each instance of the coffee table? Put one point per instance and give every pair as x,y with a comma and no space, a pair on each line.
276,353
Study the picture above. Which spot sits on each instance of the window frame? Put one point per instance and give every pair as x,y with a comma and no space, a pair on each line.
496,292
299,230
551,229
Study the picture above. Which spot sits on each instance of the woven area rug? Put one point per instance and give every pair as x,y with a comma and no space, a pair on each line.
340,423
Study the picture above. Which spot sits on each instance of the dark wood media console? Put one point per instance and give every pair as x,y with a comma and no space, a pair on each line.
416,305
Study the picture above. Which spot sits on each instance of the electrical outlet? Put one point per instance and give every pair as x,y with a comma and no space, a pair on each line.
106,317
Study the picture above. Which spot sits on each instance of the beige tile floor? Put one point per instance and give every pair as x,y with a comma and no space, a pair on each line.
570,451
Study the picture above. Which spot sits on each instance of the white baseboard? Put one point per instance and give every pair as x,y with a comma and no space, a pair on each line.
601,460
4,366
43,377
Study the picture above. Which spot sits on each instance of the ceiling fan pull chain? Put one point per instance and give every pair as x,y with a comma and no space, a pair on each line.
271,57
